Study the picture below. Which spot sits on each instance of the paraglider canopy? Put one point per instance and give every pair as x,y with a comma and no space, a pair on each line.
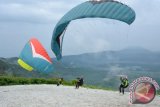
34,56
109,9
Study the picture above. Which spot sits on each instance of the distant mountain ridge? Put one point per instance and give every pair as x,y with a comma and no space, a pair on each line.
129,55
101,68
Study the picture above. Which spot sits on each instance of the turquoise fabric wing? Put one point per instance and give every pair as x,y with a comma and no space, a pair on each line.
90,9
34,55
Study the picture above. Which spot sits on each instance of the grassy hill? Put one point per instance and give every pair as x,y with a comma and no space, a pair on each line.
100,69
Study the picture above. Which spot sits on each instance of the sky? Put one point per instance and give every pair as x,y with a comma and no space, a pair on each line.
21,20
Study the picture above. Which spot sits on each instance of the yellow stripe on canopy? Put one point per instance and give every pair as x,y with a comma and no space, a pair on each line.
24,65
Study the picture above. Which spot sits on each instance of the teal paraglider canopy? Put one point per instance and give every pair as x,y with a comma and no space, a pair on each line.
34,57
91,9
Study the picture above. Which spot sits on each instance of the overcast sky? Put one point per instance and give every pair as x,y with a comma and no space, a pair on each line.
21,20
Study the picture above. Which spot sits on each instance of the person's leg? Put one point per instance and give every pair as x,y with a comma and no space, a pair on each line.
123,90
57,83
120,88
76,85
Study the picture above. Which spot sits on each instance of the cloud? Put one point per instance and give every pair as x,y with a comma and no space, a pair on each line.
24,19
34,12
94,35
40,11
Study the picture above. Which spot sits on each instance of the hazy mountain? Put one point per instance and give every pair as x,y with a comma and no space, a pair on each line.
102,68
129,55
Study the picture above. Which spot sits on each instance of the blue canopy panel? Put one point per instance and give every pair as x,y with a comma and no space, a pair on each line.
90,9
36,57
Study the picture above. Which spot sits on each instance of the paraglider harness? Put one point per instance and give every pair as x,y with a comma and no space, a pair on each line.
60,81
124,82
79,82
